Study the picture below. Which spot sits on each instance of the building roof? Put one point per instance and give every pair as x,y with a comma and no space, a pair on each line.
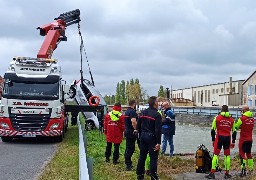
206,85
249,77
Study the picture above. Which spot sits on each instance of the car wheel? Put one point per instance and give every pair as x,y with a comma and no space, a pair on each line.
90,125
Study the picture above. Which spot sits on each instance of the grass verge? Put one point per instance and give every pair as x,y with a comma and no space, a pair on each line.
167,167
65,163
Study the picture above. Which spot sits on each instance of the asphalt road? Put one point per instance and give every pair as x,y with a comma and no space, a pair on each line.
24,159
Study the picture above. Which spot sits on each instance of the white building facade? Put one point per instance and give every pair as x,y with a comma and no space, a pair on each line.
249,91
228,93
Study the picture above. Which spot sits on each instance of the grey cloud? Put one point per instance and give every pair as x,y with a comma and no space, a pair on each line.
178,43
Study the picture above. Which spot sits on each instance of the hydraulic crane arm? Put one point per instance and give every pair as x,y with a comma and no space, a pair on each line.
55,32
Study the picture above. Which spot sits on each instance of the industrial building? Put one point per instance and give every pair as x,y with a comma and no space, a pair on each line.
249,90
229,93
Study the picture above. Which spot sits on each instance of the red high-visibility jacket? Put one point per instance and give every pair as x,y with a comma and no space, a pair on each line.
246,123
114,127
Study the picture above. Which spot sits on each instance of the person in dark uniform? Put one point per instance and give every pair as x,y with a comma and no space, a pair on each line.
130,122
149,126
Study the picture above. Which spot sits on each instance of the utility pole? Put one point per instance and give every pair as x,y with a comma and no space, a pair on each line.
167,93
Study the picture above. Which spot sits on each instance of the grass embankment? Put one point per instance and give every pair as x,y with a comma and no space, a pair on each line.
167,166
65,163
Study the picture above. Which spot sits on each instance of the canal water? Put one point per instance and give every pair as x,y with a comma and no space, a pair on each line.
188,137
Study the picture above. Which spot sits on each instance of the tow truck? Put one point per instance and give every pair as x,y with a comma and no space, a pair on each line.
34,93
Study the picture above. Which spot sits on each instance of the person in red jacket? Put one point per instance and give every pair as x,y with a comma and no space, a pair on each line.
246,124
224,125
113,129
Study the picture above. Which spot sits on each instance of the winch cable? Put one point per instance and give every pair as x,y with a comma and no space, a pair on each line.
82,49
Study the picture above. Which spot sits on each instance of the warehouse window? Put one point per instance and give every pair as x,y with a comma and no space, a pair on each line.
217,91
209,95
205,97
213,91
222,90
249,90
250,103
202,96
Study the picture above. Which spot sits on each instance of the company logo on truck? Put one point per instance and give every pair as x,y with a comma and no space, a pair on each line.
32,69
30,104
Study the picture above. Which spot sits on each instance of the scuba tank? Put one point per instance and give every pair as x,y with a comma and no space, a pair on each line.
199,161
203,160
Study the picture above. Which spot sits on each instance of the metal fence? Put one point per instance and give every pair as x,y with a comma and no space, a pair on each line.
208,111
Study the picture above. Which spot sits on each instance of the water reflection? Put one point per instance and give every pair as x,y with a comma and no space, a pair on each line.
188,137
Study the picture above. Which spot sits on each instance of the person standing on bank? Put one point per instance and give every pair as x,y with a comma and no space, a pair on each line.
224,125
246,124
113,129
130,122
149,127
168,128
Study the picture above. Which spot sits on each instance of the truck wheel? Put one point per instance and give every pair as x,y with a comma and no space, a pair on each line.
6,139
90,125
59,138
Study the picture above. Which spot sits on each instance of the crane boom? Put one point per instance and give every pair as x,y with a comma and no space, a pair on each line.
55,32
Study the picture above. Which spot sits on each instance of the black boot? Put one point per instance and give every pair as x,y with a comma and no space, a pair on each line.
107,159
210,176
147,172
243,173
154,176
128,167
116,161
227,176
140,177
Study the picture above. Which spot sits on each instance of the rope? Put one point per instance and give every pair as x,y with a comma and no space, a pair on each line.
82,50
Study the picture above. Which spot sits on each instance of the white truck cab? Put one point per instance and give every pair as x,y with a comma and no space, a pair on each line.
33,100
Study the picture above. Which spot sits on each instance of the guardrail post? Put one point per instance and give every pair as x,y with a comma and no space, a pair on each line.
83,169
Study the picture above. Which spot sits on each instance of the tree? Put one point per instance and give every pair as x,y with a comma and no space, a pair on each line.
113,97
127,91
137,81
118,97
131,82
161,92
122,92
131,90
144,95
107,99
135,91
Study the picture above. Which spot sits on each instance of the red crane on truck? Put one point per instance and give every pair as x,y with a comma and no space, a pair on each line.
55,32
32,103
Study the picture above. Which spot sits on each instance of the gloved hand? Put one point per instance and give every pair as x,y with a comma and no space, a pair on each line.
232,145
135,132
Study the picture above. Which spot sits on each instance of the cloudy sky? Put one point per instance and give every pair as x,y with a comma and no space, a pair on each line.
178,43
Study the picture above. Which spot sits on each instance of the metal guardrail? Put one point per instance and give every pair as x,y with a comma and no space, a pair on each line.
83,165
208,111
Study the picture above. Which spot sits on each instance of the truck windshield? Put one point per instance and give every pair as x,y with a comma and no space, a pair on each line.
26,90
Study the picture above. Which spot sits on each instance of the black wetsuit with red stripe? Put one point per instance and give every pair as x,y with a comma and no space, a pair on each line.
150,121
149,126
